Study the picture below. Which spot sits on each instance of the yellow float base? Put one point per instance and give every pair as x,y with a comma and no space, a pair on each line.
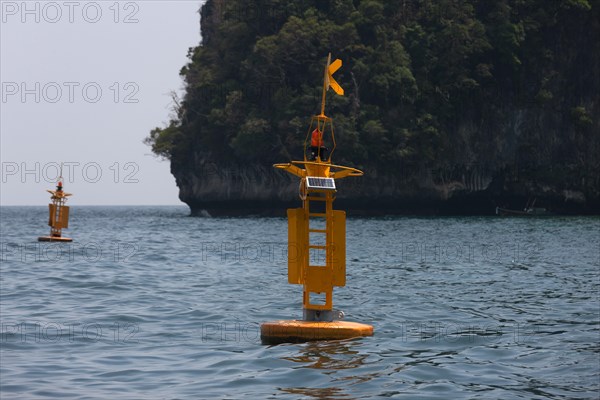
54,239
294,331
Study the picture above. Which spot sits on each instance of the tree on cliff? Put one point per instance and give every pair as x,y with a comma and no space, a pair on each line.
512,84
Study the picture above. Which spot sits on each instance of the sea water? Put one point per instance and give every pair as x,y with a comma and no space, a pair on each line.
147,302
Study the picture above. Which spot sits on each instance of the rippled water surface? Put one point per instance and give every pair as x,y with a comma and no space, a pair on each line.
148,302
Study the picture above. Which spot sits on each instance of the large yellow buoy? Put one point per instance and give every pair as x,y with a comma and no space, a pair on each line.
317,237
59,215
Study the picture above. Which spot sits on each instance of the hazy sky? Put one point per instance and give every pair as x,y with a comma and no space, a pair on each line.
83,82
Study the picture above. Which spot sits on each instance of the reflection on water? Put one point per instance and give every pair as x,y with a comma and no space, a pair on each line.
319,393
329,356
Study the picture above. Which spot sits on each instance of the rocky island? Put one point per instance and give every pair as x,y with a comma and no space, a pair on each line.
451,108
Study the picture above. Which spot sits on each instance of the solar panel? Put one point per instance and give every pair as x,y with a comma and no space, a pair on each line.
313,182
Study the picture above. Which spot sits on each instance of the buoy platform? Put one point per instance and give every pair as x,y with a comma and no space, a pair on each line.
54,239
295,331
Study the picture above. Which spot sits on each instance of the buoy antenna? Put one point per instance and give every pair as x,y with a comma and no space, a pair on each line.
329,81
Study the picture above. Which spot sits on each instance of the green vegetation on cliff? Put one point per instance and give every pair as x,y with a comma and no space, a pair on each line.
510,84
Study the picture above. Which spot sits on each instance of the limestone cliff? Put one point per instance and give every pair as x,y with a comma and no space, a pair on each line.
450,107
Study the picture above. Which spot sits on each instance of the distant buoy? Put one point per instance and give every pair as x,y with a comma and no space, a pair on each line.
59,215
317,238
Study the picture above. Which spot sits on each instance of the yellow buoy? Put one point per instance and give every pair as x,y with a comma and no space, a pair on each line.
317,237
59,215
